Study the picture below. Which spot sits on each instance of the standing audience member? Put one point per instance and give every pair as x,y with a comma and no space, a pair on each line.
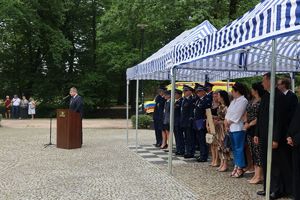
201,105
158,116
15,106
7,104
234,123
214,144
290,102
24,108
179,138
257,91
166,120
186,121
294,141
31,108
221,134
280,166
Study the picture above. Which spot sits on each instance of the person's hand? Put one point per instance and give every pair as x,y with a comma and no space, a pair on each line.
246,126
290,141
274,145
256,140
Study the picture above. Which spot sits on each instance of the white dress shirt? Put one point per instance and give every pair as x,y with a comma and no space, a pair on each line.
235,112
16,101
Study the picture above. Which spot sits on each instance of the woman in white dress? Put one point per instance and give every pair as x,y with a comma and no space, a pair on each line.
31,108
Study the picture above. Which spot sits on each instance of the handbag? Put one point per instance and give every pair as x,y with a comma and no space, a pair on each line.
209,138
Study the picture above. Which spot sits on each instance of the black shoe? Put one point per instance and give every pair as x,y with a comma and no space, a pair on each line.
188,156
261,193
275,195
201,159
157,145
179,154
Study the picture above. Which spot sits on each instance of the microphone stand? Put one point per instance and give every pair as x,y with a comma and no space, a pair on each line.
50,143
51,116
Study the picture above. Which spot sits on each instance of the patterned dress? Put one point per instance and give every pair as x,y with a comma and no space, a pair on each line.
220,132
252,112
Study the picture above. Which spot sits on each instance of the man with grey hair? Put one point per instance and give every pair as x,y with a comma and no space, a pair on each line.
76,104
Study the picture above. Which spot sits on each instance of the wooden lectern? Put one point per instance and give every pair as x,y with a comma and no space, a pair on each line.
69,129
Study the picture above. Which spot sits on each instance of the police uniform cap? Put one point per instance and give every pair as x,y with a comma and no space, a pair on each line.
187,88
208,84
168,92
200,88
177,91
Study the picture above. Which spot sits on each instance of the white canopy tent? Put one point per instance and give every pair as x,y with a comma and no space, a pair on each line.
263,39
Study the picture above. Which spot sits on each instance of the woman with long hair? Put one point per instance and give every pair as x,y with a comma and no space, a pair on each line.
257,91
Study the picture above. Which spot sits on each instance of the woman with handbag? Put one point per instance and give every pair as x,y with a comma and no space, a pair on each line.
221,134
234,124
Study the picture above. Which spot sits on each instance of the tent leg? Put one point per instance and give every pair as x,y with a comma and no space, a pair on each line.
127,111
173,76
271,120
136,114
293,81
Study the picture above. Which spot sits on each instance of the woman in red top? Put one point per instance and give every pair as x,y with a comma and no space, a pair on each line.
7,103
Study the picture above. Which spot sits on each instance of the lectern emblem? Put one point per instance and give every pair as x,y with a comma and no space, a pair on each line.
62,114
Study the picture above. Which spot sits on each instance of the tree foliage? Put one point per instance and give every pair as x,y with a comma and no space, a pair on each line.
48,46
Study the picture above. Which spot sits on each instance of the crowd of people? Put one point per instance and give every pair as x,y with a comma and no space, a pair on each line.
17,108
239,131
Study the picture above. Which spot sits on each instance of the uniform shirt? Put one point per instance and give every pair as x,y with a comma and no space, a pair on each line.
235,112
16,101
186,115
200,107
177,111
159,108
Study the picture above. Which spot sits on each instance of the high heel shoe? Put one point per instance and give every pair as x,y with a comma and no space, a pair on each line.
164,147
239,173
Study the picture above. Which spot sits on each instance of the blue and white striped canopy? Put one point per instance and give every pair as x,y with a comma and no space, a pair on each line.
159,60
245,44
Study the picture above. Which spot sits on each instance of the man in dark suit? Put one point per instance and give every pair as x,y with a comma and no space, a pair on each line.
179,137
209,86
279,161
158,115
294,141
203,102
186,121
76,104
290,101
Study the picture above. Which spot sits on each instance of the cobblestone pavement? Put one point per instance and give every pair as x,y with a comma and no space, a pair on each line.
104,168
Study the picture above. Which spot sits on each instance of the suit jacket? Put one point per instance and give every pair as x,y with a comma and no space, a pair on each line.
291,101
200,107
279,116
159,108
76,105
177,112
187,112
294,129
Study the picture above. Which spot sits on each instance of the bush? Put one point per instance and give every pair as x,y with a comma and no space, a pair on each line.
144,121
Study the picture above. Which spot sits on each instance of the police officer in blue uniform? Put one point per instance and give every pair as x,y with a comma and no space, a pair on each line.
201,105
186,121
158,115
209,86
179,137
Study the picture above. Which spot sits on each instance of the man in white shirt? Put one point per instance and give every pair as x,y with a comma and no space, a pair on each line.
15,106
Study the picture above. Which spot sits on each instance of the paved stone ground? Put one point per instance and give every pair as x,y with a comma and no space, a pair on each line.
104,168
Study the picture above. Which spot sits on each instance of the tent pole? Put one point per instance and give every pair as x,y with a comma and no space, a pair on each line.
228,79
173,79
127,110
136,114
293,81
271,119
